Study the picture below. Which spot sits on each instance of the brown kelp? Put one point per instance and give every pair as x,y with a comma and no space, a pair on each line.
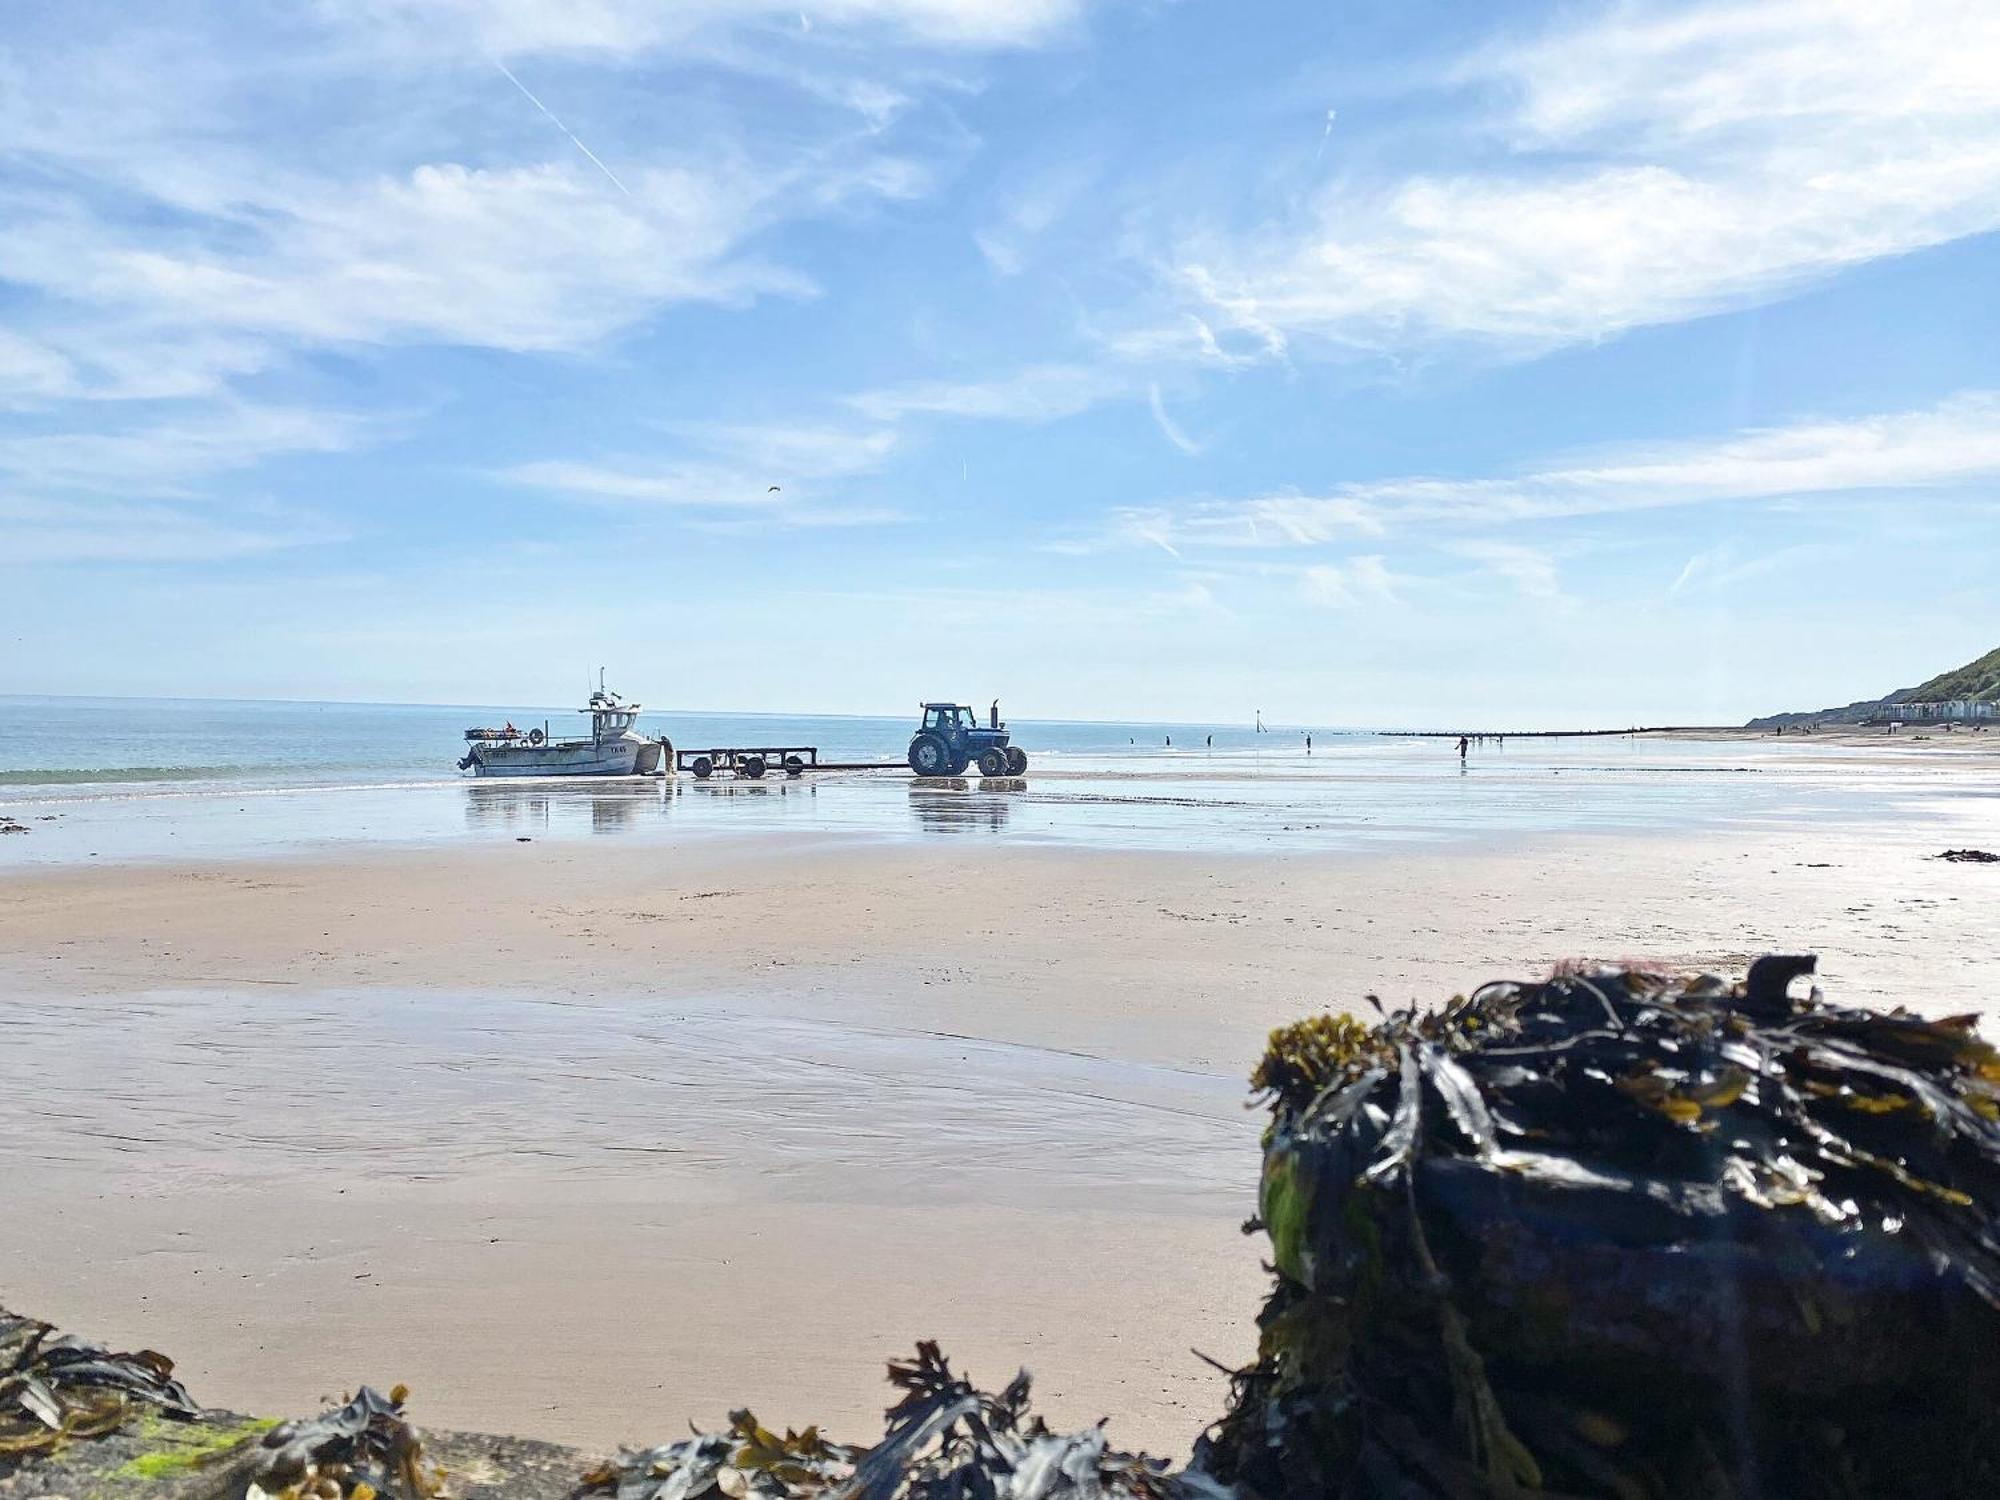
945,1440
55,1389
1628,1235
360,1450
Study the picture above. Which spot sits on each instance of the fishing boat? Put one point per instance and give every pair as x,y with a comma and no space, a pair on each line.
614,747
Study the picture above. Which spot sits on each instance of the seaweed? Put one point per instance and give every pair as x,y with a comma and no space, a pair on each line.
54,1390
944,1440
359,1450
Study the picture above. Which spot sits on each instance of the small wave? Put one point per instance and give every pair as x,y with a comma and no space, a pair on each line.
80,776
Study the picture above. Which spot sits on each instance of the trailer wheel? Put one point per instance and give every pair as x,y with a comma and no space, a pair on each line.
703,768
794,766
993,761
753,767
1017,761
929,756
958,764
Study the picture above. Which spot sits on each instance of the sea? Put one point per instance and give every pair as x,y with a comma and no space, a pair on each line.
161,778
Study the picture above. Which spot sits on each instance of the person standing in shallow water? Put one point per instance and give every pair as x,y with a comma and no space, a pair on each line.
1461,748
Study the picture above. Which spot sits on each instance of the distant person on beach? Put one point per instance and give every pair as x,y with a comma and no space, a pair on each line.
1209,743
1462,742
1309,744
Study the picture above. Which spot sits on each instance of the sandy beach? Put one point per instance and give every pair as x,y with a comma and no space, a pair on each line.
593,1146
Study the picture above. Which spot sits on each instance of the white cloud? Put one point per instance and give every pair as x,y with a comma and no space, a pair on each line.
196,195
1953,444
1070,610
1530,570
1024,214
776,471
1664,165
32,371
160,457
544,257
1723,567
48,532
192,195
134,492
1169,429
802,518
1358,580
516,27
1041,393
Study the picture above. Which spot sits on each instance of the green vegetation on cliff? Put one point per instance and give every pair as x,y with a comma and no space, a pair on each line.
1978,680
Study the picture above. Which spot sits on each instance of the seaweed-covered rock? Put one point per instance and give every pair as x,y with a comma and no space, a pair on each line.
1624,1235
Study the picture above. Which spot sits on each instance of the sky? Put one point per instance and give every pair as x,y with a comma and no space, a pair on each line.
1365,362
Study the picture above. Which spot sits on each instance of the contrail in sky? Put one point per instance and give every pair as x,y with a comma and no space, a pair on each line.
562,127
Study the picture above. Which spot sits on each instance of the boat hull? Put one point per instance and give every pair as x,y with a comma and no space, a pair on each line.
619,757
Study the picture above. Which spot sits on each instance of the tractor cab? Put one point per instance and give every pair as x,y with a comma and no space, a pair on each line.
948,718
950,738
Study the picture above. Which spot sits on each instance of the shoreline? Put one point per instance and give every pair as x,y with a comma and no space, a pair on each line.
1367,797
1861,736
349,1064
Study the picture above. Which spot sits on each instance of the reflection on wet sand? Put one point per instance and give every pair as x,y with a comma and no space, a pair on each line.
952,804
540,806
752,793
175,1086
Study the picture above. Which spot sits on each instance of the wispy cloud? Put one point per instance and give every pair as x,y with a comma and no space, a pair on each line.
518,27
781,473
1028,211
1953,444
1530,571
162,456
1661,165
1069,610
1169,428
1040,393
540,257
1727,566
31,371
1362,580
178,235
73,530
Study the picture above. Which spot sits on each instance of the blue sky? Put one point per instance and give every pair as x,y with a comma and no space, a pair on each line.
1367,363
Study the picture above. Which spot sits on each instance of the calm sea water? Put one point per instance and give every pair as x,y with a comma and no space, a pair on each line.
142,778
113,744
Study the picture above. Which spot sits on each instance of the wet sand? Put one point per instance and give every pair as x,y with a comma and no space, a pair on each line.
589,1145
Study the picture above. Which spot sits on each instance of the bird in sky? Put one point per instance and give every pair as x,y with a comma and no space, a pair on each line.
772,490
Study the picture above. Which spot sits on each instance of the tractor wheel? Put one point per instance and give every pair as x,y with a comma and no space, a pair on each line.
1017,761
703,768
930,756
958,765
753,767
993,761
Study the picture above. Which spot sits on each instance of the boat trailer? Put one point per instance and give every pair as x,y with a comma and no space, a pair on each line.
750,760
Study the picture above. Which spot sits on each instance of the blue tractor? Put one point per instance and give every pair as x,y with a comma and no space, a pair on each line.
952,738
